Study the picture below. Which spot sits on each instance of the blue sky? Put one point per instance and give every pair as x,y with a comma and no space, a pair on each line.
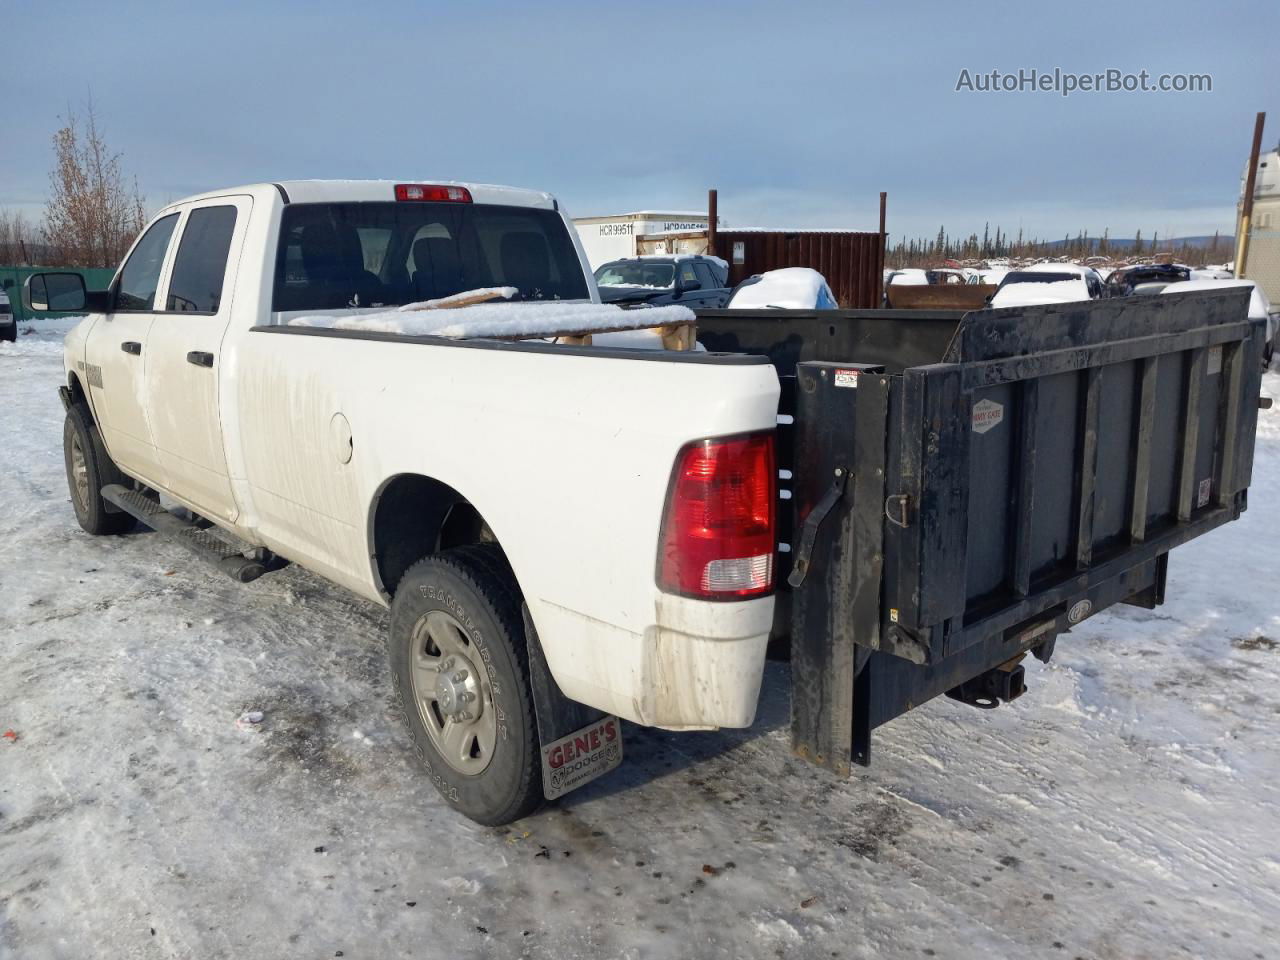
800,113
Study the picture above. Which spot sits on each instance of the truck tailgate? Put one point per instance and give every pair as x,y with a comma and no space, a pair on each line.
952,516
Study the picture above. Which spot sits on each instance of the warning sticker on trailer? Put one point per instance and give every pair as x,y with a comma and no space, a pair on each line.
1213,363
847,378
580,757
1203,494
986,414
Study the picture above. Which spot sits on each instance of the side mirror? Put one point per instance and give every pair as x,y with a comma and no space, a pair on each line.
686,286
61,292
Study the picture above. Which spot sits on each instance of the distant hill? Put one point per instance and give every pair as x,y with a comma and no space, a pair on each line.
1116,244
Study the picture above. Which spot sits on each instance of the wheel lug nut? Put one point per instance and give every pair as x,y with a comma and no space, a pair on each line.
460,676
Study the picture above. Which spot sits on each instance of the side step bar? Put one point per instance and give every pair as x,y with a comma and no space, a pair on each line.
200,542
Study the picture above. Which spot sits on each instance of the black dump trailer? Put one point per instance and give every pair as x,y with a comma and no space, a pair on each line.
964,488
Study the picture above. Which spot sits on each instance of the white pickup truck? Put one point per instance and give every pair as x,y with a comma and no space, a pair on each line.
625,495
570,532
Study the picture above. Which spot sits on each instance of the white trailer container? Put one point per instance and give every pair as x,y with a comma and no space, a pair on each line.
615,237
1262,264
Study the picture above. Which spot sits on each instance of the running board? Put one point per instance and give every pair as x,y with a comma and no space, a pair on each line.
200,542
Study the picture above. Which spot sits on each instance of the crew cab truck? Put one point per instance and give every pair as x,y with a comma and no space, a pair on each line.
567,534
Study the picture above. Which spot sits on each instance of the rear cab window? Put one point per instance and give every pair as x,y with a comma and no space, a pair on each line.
376,254
636,273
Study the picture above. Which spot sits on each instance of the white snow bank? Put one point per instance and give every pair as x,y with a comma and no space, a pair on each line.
504,320
792,288
39,337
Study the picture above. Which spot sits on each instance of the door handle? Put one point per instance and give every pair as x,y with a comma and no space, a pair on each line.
200,358
132,346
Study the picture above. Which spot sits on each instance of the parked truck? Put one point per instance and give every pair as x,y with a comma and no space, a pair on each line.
570,534
8,326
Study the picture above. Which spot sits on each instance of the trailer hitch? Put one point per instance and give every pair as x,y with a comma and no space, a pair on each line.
998,685
809,536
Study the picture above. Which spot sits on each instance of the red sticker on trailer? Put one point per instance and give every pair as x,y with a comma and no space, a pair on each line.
986,414
847,378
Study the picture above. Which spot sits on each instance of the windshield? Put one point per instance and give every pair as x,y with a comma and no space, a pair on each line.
334,255
636,274
1032,276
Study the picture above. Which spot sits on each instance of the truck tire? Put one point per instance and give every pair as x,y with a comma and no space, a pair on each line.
89,469
460,669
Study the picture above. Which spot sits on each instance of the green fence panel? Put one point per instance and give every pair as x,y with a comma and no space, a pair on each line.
12,279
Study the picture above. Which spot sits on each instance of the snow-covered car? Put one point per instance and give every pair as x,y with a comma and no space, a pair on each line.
1211,273
1046,283
1260,308
8,326
790,288
1145,279
691,280
395,385
909,276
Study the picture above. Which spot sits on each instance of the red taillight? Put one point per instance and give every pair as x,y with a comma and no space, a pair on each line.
718,536
437,194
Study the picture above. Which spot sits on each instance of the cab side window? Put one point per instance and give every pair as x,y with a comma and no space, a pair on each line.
687,275
201,263
136,289
705,276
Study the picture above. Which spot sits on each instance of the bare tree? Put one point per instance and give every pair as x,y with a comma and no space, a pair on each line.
92,214
17,239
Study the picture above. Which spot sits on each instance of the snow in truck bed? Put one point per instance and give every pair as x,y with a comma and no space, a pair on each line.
502,319
1126,807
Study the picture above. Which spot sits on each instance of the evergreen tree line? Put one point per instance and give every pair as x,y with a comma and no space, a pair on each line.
922,252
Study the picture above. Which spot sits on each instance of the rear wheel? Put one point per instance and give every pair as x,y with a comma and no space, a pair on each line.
89,469
460,668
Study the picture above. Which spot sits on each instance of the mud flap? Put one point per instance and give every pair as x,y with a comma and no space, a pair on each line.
577,743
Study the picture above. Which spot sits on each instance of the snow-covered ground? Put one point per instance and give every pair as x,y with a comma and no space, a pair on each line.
1128,806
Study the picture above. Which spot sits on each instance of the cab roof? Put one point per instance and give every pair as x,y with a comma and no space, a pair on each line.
367,191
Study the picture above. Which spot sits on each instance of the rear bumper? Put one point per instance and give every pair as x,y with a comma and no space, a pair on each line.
697,667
